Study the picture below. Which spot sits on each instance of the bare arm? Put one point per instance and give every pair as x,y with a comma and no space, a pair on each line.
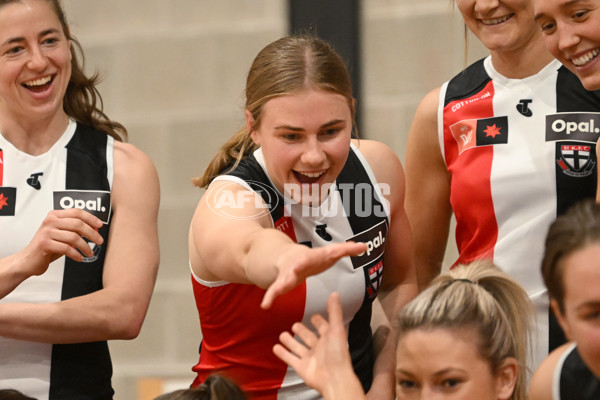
427,191
118,310
233,246
399,284
540,385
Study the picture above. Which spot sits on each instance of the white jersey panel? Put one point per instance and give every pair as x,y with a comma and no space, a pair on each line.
35,357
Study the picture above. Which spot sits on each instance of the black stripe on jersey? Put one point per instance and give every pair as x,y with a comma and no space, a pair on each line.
251,168
83,371
571,96
467,83
576,380
360,337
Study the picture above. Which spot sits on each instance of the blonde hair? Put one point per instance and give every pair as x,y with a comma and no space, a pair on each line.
482,297
283,67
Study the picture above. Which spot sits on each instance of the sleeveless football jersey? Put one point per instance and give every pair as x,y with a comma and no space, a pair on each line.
76,172
573,380
520,152
238,335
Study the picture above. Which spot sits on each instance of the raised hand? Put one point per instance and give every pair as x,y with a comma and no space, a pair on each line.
323,361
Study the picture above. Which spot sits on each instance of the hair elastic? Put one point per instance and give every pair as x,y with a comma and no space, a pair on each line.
463,280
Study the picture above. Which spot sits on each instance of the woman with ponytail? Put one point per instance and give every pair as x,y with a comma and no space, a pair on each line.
464,337
296,209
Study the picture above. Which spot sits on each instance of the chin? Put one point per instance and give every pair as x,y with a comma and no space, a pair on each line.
591,83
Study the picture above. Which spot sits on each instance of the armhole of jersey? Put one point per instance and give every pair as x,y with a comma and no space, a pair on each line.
373,180
231,178
206,283
440,120
239,181
558,372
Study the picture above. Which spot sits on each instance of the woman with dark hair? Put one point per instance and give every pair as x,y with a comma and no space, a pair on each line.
571,30
78,215
296,209
571,271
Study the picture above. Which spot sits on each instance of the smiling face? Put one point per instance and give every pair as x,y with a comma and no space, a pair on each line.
581,318
501,25
305,139
571,29
35,61
445,364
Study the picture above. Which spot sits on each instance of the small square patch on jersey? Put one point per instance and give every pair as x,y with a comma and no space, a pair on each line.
8,199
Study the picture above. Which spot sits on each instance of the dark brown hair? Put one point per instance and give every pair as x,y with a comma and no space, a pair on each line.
215,387
572,231
82,101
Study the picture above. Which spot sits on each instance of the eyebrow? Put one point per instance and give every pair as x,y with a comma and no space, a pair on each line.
297,129
22,39
562,6
593,304
437,373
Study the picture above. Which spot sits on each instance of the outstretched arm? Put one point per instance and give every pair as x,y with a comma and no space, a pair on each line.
322,361
118,310
229,243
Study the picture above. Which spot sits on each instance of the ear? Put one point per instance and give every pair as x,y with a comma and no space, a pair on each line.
250,126
562,321
506,378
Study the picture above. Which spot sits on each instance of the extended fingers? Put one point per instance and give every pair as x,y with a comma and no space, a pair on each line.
285,355
336,251
307,336
334,309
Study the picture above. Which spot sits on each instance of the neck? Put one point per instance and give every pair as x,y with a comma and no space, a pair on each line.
523,62
35,137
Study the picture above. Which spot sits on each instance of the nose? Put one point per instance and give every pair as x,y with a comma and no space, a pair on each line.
567,36
37,60
485,6
313,154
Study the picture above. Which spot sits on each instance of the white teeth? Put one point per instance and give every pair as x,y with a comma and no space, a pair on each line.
312,174
495,21
586,58
38,82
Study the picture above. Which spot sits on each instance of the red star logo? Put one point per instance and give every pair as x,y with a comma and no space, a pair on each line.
492,131
3,201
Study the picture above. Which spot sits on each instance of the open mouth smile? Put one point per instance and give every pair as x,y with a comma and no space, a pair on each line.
586,58
40,84
308,177
496,21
